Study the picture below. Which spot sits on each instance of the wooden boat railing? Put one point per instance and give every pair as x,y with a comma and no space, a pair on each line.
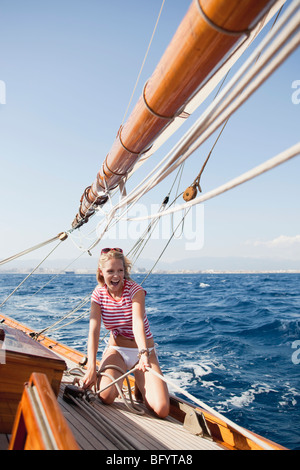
39,423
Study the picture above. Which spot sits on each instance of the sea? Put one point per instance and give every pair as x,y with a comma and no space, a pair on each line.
230,340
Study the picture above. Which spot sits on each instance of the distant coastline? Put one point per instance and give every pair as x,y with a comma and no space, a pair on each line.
197,265
157,271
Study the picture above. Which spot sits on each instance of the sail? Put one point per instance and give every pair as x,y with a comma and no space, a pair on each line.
206,34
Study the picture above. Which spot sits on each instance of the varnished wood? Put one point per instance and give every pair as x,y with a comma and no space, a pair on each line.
40,424
193,53
23,356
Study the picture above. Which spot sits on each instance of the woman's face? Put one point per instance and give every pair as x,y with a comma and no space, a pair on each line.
113,273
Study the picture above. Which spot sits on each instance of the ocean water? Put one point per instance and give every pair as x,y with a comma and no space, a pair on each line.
231,340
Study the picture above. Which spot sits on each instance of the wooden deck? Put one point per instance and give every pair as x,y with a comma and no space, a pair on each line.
114,427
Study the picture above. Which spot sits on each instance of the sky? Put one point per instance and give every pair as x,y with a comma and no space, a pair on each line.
67,71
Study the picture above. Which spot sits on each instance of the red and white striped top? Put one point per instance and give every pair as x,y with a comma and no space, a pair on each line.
117,315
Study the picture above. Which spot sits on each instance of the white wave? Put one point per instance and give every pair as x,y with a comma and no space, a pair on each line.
203,285
202,369
180,379
247,397
152,309
211,385
290,397
190,373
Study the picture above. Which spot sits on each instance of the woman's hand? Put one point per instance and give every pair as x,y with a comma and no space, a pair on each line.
143,362
90,378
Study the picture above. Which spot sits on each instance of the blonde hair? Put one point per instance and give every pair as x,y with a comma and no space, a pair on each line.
104,257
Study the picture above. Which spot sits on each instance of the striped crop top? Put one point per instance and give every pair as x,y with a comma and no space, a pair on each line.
117,315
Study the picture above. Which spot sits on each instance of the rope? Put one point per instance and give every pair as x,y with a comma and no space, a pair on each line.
196,182
54,277
139,246
223,107
230,423
209,84
203,405
107,427
166,246
84,301
227,103
133,407
249,175
62,236
144,60
1,305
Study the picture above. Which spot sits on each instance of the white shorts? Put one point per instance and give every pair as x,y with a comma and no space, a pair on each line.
129,355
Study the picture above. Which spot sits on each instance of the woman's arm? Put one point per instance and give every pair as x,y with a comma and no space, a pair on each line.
93,343
138,327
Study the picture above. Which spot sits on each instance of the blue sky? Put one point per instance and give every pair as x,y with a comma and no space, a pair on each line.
69,68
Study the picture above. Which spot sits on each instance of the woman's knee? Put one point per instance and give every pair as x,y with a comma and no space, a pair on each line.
107,398
162,410
160,406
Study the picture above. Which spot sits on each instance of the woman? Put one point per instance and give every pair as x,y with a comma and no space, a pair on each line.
121,304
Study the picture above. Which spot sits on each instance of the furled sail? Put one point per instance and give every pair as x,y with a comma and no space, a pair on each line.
206,34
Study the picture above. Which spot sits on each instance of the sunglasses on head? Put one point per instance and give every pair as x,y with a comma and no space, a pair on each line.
107,250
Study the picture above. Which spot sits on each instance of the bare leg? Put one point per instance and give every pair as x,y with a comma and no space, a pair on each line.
154,390
111,357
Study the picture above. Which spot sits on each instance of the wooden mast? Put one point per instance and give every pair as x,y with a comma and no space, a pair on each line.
205,35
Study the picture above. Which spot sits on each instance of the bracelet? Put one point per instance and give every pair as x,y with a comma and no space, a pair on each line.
143,351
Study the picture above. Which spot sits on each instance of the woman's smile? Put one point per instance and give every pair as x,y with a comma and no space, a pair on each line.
113,274
115,283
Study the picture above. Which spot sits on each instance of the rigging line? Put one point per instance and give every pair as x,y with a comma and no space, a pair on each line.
166,246
247,176
180,172
211,82
74,320
183,143
230,423
121,216
144,239
144,60
62,236
47,256
260,27
137,247
212,118
197,179
54,277
84,301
